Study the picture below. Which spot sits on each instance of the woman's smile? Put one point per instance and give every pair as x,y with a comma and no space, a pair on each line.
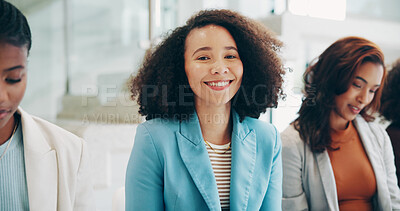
355,110
218,85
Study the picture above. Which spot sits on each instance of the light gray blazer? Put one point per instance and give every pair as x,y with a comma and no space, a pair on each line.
308,179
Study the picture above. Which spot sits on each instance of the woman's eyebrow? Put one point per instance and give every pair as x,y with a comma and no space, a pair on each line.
231,48
14,68
209,48
365,81
202,49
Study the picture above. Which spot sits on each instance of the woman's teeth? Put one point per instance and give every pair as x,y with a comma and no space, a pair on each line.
355,108
218,84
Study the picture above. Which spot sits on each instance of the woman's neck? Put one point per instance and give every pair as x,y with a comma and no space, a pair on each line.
337,122
6,131
215,123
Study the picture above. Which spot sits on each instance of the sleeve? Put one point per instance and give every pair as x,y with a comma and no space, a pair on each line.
84,199
293,197
273,197
144,175
390,167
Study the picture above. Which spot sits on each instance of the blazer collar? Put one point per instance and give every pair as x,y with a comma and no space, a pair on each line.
195,156
327,179
40,164
244,152
369,139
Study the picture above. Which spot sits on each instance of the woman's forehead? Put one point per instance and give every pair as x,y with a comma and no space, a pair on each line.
209,35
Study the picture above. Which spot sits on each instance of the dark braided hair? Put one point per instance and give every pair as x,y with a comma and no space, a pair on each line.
14,28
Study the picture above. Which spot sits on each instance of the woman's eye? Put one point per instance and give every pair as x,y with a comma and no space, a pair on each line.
12,81
356,85
372,91
230,57
203,58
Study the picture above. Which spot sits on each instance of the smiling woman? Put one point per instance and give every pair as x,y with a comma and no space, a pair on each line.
202,147
367,80
334,156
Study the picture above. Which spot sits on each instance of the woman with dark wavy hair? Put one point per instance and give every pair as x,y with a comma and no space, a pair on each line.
202,147
334,156
390,109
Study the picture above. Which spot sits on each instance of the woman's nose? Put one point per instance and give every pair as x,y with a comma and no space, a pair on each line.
219,67
3,93
364,97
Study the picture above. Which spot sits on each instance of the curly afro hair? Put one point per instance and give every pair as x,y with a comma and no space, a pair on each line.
161,86
390,100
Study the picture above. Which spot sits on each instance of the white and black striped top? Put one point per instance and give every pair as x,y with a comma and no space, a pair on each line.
221,164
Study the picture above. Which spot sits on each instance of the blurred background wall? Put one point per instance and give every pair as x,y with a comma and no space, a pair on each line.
84,52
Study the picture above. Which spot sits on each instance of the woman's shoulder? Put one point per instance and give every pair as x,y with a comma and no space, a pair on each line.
48,129
371,128
293,147
160,125
45,133
290,136
371,131
267,136
159,129
261,127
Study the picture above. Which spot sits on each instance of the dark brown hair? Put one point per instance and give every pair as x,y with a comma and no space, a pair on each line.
390,101
329,77
162,87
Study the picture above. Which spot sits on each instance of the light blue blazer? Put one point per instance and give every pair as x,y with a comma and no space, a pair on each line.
169,168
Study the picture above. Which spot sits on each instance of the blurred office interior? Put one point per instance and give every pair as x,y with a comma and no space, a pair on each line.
84,52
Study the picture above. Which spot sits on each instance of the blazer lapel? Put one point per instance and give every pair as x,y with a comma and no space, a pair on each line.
194,154
243,163
328,179
40,165
367,138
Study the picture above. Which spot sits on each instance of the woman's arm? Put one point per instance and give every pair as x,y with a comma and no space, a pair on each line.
294,197
144,175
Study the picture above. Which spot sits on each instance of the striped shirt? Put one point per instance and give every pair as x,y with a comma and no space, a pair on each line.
221,164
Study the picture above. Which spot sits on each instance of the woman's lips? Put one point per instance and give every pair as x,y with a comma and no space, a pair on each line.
354,109
219,85
4,113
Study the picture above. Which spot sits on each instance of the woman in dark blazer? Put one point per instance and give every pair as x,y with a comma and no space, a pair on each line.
202,147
